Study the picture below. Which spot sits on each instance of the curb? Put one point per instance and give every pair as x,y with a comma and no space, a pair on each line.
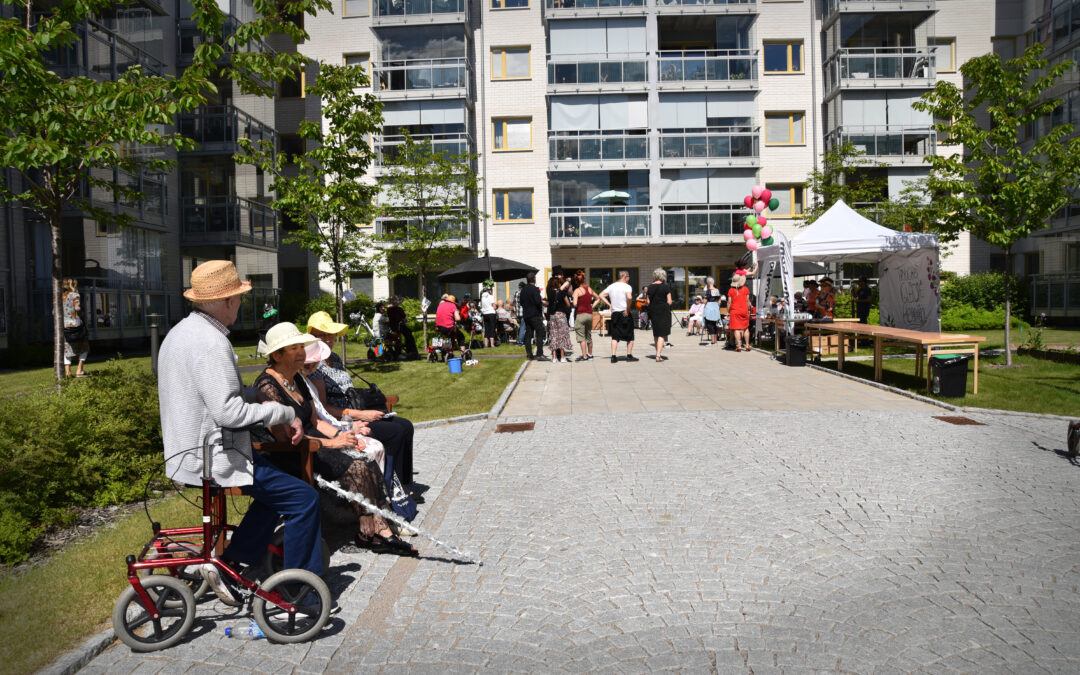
497,409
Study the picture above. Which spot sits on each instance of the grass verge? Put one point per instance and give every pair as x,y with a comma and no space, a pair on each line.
1031,385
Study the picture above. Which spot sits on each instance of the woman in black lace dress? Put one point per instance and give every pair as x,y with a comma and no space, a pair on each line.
358,472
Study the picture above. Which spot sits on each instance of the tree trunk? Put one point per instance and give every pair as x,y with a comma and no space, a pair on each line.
423,310
1008,307
57,299
340,313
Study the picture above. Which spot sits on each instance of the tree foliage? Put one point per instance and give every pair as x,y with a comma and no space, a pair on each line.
1000,186
328,192
62,134
845,173
429,201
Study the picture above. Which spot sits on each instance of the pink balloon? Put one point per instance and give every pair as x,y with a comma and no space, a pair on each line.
766,232
759,206
749,201
752,244
761,220
766,195
756,191
748,234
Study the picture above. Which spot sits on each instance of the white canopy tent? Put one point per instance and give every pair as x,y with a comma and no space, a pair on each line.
908,264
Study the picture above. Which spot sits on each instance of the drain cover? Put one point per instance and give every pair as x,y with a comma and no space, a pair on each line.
962,421
514,428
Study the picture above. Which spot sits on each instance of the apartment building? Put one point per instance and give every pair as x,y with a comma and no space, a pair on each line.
625,133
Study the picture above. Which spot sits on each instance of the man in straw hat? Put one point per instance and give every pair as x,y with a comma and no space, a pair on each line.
199,390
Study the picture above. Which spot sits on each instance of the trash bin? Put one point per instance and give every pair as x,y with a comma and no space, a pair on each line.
948,375
796,350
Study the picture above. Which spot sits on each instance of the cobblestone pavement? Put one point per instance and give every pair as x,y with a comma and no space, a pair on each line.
711,541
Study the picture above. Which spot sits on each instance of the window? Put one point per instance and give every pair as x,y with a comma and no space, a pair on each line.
602,277
512,133
997,262
1031,263
784,128
513,205
359,60
509,4
944,50
783,57
292,87
791,198
296,19
508,63
356,8
291,145
1072,258
362,283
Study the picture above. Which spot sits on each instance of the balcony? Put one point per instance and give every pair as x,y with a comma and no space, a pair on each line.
880,68
386,148
459,231
706,6
99,54
216,221
574,73
418,12
599,226
1056,295
713,69
423,78
190,37
711,147
568,9
217,128
701,223
833,8
892,143
597,150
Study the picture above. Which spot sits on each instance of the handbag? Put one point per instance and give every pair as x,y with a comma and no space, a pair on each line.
370,398
76,334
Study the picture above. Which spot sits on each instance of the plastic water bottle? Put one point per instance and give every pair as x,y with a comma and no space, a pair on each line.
249,632
347,422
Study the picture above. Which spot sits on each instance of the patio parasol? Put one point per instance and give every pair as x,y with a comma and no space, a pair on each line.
488,267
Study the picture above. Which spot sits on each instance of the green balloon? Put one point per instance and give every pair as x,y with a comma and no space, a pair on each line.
751,220
768,242
756,229
774,203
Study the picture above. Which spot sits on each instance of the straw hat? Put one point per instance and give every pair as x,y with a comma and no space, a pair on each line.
317,352
321,321
283,335
215,280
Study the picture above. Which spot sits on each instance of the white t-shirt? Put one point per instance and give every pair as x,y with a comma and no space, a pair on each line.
616,294
487,303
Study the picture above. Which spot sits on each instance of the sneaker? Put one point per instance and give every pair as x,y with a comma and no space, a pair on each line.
209,571
614,359
541,358
564,360
631,357
581,358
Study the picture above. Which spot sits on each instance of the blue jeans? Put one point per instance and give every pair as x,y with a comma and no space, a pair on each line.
521,332
277,494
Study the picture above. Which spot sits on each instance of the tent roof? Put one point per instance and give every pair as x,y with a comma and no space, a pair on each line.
841,234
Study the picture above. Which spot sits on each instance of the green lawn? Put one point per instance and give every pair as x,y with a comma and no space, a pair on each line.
1031,385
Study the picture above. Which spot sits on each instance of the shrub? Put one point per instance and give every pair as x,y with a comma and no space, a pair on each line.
94,443
964,317
986,291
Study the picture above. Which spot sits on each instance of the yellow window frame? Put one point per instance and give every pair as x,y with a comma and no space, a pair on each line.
498,62
345,4
502,121
790,70
792,189
302,78
501,4
366,56
791,126
504,194
939,42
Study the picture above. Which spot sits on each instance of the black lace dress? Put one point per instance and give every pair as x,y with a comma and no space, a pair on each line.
356,471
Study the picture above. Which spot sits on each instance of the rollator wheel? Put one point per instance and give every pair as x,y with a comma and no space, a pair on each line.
371,355
273,563
468,355
307,593
175,606
189,575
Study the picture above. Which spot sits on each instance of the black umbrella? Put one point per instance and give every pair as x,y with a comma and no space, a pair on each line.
489,267
808,269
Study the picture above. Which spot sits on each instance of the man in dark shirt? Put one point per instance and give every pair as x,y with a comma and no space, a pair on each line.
532,313
864,297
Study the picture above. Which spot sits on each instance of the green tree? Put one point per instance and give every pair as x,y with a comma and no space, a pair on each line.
429,200
997,186
845,173
63,136
327,192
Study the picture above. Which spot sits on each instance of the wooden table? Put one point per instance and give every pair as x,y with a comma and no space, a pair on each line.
926,343
778,322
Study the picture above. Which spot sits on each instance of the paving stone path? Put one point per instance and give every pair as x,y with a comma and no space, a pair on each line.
711,541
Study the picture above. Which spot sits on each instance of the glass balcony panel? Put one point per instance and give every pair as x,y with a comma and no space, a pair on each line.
719,146
671,70
613,148
611,71
674,224
694,69
637,148
671,146
719,69
589,149
565,73
634,71
697,223
721,224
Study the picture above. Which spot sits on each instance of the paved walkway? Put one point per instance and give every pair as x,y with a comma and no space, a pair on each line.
869,537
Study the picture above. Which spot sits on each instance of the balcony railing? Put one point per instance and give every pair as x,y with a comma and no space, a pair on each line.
426,10
423,75
119,306
747,4
886,141
612,68
697,220
714,65
1057,295
594,224
100,54
834,6
711,143
458,229
592,4
228,220
386,148
878,66
218,127
596,146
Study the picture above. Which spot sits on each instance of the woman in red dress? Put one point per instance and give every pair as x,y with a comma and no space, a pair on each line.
739,312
